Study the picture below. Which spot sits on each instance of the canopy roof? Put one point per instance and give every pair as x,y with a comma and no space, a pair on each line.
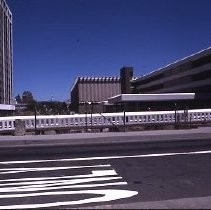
151,97
7,107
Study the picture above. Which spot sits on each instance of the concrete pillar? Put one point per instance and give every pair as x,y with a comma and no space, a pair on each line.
20,129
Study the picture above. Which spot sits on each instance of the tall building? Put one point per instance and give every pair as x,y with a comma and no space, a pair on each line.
6,57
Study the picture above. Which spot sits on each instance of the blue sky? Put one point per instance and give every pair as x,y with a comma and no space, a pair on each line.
57,40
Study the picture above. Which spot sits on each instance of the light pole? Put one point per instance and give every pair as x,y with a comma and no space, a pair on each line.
35,119
91,115
86,115
175,114
124,115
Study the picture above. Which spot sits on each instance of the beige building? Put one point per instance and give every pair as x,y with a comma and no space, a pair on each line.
93,90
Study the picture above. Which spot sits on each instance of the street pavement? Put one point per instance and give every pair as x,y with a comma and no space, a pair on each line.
162,169
130,179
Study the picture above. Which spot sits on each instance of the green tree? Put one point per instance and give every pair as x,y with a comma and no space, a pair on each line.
27,97
18,99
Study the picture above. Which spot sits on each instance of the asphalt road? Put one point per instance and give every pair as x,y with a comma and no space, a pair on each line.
106,179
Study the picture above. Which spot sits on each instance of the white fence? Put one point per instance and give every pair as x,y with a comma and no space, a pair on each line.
106,119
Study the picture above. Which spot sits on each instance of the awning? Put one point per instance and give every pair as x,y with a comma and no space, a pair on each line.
7,107
151,97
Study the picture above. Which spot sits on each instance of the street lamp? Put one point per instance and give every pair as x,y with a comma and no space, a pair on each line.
91,113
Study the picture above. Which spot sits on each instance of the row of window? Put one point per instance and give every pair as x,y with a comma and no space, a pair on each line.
183,80
153,78
178,69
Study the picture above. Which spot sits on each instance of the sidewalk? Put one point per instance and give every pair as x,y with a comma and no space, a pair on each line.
108,138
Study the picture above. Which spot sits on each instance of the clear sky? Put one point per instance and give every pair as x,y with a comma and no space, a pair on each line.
57,40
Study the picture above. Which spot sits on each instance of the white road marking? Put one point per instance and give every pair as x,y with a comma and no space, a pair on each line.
37,185
107,195
24,170
93,174
102,176
10,190
108,157
44,186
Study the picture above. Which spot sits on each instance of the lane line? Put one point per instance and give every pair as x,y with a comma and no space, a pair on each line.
108,157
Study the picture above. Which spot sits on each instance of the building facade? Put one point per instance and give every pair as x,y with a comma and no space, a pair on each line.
190,74
87,90
6,57
97,90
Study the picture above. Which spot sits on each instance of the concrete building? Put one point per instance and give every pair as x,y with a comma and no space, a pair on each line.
126,75
97,90
6,59
190,74
93,89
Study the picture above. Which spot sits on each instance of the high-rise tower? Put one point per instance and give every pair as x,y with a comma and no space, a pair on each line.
6,54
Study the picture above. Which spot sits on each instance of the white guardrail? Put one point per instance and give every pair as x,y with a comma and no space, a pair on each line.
106,119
